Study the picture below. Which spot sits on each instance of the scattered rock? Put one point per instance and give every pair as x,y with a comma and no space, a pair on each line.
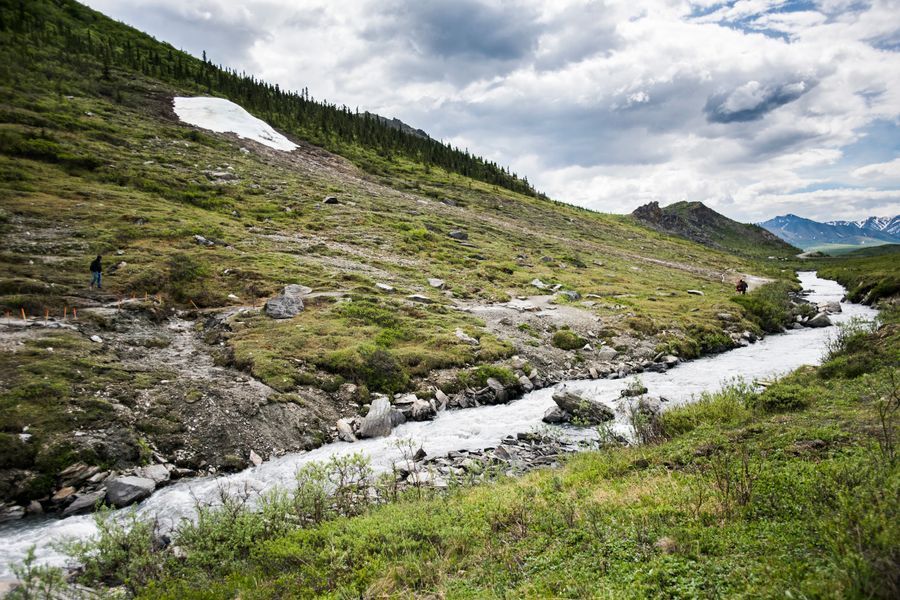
384,287
501,396
97,339
526,383
330,200
122,491
255,459
570,294
820,320
63,494
288,303
555,415
539,284
436,283
696,292
377,422
420,298
605,353
11,512
421,410
203,241
345,430
156,473
459,235
465,338
84,503
581,409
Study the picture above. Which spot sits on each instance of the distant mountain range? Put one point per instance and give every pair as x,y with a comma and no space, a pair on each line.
697,222
813,235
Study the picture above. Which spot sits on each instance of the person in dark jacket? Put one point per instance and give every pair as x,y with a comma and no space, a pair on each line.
97,272
741,287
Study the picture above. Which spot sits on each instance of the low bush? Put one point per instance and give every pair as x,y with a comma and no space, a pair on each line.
567,339
782,397
768,306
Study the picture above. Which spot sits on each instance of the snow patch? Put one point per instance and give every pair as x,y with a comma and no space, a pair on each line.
223,116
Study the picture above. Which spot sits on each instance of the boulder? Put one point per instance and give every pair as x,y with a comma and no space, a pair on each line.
122,491
605,353
378,422
820,320
526,383
330,200
84,503
459,235
830,307
555,415
384,287
436,283
156,473
11,512
255,459
420,298
442,398
466,338
501,396
570,294
345,430
695,292
421,410
63,494
288,303
581,409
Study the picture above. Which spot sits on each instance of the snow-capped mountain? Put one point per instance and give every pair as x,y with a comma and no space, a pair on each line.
807,234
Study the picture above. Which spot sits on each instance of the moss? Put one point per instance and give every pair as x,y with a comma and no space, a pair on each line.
567,340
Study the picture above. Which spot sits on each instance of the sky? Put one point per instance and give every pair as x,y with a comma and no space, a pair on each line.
755,107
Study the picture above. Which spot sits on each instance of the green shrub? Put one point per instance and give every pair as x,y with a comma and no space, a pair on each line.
768,306
782,397
566,339
375,367
477,378
14,453
728,406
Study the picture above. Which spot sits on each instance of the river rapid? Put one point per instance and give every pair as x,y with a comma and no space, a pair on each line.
473,428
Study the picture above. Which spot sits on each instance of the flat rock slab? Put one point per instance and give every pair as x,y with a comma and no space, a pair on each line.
122,491
378,421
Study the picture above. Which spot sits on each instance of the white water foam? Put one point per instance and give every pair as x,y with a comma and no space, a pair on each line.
473,428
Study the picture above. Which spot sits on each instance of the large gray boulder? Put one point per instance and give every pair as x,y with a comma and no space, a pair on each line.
288,303
122,491
581,409
421,410
84,503
378,422
820,320
345,430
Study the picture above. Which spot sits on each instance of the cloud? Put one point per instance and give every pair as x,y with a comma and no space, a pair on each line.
884,170
747,105
752,101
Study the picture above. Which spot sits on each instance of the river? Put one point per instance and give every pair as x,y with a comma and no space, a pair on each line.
473,428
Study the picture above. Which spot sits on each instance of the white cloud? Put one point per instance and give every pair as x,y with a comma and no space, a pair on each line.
744,105
876,171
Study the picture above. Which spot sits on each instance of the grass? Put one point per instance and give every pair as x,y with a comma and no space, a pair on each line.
869,274
749,495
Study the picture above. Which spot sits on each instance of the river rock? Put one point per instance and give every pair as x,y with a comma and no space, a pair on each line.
255,459
830,307
581,409
820,320
501,395
84,503
378,422
526,383
345,430
442,399
288,303
122,491
605,353
11,512
555,415
421,410
156,473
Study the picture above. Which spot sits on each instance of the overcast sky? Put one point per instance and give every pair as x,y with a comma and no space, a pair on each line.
755,107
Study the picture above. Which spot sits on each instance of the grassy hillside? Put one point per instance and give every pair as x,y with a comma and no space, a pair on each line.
93,160
792,492
695,221
869,274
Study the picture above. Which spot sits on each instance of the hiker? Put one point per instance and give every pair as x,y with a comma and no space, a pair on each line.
741,287
97,272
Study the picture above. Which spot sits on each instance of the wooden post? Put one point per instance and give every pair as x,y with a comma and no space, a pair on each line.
65,313
75,313
24,318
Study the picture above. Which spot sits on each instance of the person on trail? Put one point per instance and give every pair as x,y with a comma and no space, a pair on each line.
97,272
741,287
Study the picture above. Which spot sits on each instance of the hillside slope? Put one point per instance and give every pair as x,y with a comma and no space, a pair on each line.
697,222
419,277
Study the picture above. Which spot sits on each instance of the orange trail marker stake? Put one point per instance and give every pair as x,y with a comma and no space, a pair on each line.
75,313
194,305
46,314
24,318
65,313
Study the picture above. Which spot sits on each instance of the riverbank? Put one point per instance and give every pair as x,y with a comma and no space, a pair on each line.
790,491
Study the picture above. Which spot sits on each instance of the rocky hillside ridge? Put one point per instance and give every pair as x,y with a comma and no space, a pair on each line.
699,223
